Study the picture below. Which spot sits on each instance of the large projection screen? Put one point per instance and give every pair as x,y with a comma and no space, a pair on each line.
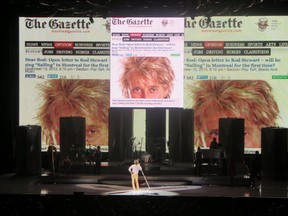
232,67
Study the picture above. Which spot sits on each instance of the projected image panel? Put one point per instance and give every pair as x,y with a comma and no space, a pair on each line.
64,71
147,62
236,67
259,102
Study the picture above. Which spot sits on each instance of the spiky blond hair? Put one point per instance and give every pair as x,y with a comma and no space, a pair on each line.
83,96
248,98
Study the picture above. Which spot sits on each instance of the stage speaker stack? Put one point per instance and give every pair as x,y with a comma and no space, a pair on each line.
28,150
72,134
274,152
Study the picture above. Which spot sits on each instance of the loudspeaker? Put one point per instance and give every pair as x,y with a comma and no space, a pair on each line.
274,142
231,136
72,134
28,150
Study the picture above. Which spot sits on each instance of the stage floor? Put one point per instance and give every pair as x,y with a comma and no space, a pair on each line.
166,193
151,184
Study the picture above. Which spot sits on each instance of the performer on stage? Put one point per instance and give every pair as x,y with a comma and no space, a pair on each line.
97,156
66,164
52,158
198,162
134,170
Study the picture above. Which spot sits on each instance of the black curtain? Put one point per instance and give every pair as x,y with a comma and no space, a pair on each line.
156,133
120,134
155,122
72,135
231,136
181,134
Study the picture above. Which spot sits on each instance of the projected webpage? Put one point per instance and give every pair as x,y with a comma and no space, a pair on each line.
235,67
64,71
147,58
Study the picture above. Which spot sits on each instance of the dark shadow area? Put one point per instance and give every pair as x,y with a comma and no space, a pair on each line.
79,204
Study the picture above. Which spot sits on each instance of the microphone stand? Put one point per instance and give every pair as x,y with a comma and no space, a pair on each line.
145,180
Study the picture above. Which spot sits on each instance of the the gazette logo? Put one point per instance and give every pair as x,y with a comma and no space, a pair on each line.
57,24
132,22
262,24
213,23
